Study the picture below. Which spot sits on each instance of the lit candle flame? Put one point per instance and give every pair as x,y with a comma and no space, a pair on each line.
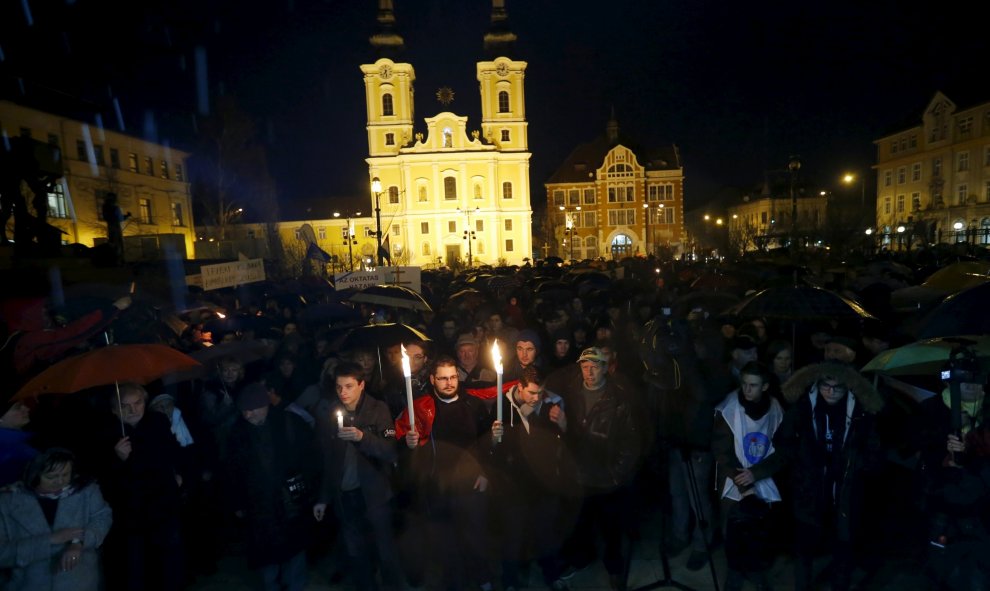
497,357
406,371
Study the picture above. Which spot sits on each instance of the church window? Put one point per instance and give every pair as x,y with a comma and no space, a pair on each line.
508,225
503,101
387,106
393,195
506,190
452,227
508,245
389,139
448,138
424,227
505,135
449,188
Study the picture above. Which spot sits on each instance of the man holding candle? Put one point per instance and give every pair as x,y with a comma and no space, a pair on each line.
359,450
450,482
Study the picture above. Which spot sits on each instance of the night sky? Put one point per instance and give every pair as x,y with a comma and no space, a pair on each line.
739,87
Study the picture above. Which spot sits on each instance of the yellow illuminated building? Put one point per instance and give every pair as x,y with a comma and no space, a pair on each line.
933,179
449,192
150,181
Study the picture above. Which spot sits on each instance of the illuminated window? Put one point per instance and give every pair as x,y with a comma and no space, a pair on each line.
132,162
144,211
178,219
164,169
56,202
178,172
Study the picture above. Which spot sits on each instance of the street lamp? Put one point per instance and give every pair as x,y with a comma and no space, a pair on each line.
469,233
900,235
569,228
350,237
793,166
646,233
376,188
850,178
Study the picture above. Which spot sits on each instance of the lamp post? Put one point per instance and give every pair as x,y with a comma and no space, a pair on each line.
900,235
646,228
349,239
569,228
376,188
850,178
793,166
469,233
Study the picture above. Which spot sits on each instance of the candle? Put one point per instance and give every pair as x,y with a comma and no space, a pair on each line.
340,420
407,372
497,360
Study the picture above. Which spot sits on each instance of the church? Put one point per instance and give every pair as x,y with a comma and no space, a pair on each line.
449,192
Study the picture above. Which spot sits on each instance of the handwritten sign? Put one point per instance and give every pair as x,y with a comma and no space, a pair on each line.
231,274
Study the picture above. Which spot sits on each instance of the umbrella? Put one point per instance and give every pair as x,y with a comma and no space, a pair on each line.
381,335
141,363
927,357
466,299
959,276
713,302
799,302
328,313
961,313
394,296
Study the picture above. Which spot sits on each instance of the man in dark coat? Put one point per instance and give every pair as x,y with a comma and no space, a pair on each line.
140,480
272,474
829,441
448,470
359,449
530,470
605,436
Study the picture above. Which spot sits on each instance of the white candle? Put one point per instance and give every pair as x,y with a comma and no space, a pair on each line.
407,372
340,420
497,360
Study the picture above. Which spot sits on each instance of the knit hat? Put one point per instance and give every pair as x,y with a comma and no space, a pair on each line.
253,396
530,336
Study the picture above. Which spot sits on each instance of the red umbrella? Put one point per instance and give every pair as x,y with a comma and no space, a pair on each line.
140,363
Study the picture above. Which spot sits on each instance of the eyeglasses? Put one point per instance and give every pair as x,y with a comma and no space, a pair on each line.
445,378
834,388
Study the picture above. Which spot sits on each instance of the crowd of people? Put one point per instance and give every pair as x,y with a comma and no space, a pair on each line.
405,462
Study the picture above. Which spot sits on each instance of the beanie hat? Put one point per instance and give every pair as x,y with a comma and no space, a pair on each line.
529,335
253,396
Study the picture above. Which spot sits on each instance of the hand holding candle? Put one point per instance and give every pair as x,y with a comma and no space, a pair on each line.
497,361
407,372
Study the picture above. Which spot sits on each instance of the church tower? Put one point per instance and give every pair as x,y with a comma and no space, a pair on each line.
388,88
503,99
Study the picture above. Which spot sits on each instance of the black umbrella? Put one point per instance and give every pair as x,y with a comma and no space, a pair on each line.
798,302
394,296
371,336
961,313
331,312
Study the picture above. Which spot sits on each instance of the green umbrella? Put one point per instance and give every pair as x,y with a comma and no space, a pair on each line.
929,356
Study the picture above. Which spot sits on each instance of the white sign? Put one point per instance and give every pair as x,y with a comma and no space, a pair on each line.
231,274
408,277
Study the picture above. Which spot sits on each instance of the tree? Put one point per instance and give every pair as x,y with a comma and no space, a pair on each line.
230,168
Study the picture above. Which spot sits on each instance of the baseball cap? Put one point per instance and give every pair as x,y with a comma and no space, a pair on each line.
593,354
465,339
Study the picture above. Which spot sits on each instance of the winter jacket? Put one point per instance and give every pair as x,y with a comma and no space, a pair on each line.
376,453
25,545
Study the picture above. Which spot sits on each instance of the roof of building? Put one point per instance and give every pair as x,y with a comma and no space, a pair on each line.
581,164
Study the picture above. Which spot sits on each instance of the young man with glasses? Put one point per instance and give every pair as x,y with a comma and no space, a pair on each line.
828,438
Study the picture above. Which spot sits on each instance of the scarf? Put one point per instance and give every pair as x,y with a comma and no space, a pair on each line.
755,409
179,429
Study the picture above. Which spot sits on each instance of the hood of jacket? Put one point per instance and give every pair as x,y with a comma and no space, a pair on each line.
862,389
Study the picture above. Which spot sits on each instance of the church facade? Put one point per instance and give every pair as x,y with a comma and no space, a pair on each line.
449,192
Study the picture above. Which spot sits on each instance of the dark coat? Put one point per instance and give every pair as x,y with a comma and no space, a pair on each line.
142,490
260,461
376,453
535,462
796,442
458,450
607,440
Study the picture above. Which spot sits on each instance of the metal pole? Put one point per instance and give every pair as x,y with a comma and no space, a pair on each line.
350,241
378,226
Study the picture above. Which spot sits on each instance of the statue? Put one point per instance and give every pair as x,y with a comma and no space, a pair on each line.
38,165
